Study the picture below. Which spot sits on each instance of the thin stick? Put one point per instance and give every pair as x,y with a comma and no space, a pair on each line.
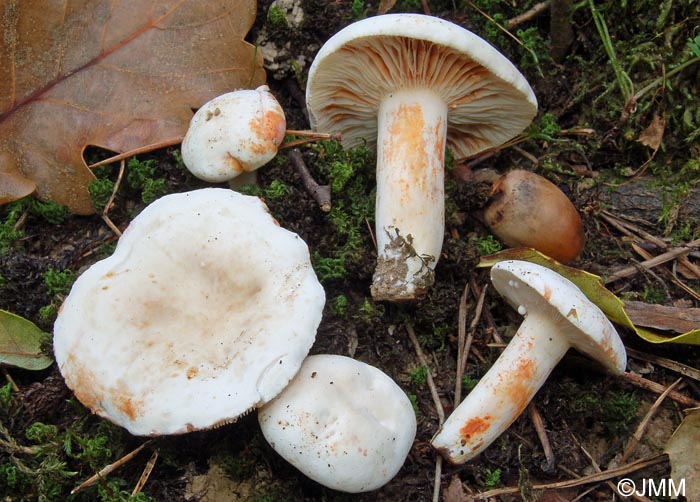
320,193
146,473
639,432
538,422
533,12
110,202
669,364
682,399
584,480
309,137
669,255
137,151
109,469
461,342
436,402
10,380
371,233
597,468
470,335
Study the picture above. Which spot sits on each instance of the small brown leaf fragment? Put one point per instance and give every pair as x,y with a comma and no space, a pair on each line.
654,133
454,492
662,317
683,450
385,6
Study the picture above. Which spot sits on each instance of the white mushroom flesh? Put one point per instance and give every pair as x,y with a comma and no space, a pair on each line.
234,133
557,316
343,423
205,311
373,71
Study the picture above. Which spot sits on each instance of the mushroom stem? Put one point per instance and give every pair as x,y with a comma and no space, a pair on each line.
504,392
410,207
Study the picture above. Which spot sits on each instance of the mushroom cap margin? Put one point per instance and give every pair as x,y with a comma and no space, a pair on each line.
489,101
534,287
205,310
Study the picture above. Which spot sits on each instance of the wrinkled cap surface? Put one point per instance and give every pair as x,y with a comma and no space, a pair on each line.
342,422
236,132
205,310
536,290
488,100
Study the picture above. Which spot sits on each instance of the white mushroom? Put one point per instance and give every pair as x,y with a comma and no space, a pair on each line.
205,311
234,133
557,316
412,84
343,423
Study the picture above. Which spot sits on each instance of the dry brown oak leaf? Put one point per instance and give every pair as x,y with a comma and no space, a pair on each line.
116,74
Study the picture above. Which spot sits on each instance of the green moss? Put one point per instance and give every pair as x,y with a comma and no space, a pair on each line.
58,282
100,191
340,304
419,376
328,268
277,17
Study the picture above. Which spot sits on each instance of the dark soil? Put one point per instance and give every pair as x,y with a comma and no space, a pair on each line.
585,411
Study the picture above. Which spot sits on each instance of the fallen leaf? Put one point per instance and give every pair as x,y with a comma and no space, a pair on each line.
683,450
663,317
454,491
654,133
385,6
593,288
116,74
21,342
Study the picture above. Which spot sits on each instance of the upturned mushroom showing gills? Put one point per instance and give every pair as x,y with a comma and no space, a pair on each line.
234,133
525,209
557,316
343,423
411,85
205,311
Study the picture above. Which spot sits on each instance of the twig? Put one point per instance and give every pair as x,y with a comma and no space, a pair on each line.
669,364
308,137
436,402
461,342
110,202
109,469
643,383
146,473
538,422
584,480
138,151
533,12
10,380
639,432
320,193
597,468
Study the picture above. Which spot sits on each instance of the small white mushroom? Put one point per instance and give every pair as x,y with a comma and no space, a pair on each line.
557,316
412,84
234,133
343,423
205,310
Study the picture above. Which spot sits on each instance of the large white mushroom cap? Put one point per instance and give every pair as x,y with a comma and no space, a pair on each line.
343,423
236,132
488,99
205,311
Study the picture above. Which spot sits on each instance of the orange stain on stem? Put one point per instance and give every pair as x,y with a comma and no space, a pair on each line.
475,426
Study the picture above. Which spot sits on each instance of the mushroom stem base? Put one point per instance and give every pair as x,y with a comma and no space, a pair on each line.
401,275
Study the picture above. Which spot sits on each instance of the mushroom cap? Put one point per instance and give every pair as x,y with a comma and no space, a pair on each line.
205,310
236,132
343,423
526,209
488,100
530,288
